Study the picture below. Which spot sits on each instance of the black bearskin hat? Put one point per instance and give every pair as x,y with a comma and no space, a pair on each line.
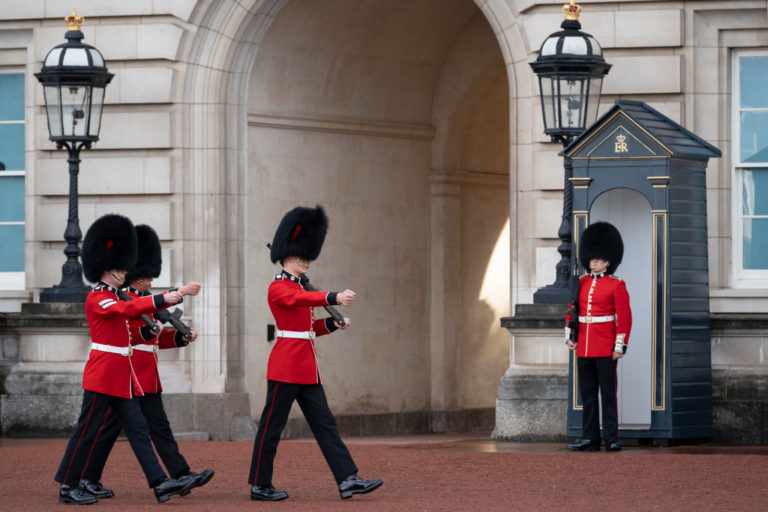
149,260
301,233
602,241
110,243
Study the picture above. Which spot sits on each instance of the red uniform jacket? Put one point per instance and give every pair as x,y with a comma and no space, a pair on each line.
108,320
145,363
599,296
292,359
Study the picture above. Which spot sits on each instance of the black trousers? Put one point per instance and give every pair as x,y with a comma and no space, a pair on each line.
151,405
314,406
95,414
598,374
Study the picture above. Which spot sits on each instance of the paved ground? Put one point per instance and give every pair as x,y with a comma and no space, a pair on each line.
421,473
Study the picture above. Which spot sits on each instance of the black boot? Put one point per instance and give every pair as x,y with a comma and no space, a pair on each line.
201,478
356,485
171,486
585,445
267,493
95,489
612,446
74,496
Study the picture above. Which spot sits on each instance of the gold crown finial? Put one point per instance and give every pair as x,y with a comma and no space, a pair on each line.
572,11
74,21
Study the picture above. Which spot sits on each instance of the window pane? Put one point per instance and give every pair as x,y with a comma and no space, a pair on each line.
12,249
754,196
75,107
12,97
754,137
11,199
12,146
753,79
53,111
755,244
548,102
571,108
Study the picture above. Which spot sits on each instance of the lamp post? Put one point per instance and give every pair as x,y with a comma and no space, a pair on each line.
74,78
570,68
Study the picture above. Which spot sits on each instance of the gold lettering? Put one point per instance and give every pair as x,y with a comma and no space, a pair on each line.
620,147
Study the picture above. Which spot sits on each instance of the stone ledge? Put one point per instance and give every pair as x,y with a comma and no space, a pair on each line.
552,316
536,316
53,315
738,321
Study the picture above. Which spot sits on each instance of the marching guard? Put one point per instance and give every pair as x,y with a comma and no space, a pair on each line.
110,380
604,321
292,370
144,359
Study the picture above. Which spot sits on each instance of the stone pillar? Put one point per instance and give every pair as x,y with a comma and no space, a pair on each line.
445,296
532,403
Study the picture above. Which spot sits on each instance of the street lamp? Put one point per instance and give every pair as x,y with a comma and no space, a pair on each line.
74,79
570,68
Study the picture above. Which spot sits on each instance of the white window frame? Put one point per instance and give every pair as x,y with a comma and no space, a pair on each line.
16,280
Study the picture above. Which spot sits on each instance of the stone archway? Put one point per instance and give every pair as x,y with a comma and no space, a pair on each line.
221,55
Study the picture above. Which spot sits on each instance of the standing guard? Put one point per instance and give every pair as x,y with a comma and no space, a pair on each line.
148,266
604,322
109,379
292,370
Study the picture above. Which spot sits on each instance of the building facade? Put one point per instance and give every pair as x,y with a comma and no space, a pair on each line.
418,126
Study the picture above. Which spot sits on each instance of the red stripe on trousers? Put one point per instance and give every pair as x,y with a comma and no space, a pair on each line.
88,460
81,438
266,425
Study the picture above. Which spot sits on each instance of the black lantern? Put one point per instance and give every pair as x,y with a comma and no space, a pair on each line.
74,78
570,68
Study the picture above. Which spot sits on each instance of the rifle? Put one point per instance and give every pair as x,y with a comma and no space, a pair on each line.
573,309
330,309
173,318
153,327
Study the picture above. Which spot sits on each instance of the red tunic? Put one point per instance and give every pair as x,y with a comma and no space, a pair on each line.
108,320
602,296
293,359
145,363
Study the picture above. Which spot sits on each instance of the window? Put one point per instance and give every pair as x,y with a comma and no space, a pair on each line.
12,172
750,168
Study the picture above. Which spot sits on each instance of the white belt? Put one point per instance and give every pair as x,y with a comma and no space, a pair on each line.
303,335
596,319
146,348
123,351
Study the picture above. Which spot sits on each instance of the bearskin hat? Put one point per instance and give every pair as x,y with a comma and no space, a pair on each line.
149,259
110,243
301,233
601,240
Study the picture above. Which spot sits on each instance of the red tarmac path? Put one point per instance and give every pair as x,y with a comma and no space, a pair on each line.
421,473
